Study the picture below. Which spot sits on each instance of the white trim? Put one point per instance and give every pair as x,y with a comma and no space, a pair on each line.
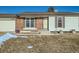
24,22
25,31
29,22
30,28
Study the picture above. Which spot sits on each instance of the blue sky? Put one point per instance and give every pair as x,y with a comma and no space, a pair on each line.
18,9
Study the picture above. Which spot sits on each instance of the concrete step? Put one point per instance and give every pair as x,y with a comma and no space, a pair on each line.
29,32
45,32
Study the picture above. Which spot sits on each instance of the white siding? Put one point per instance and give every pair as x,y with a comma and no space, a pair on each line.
7,24
71,22
51,23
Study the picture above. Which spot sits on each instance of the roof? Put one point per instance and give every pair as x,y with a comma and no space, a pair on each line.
39,14
8,15
45,14
67,13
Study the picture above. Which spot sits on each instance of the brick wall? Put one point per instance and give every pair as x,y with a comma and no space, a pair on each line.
39,23
19,23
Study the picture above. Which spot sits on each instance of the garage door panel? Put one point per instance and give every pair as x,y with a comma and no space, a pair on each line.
7,25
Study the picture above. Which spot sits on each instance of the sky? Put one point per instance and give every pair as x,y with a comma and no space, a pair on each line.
20,9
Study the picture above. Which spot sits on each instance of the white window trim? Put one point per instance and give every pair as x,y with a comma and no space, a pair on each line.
29,28
62,21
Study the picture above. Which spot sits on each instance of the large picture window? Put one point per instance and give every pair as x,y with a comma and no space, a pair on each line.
29,22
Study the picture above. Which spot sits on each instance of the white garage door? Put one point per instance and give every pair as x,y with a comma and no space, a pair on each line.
7,25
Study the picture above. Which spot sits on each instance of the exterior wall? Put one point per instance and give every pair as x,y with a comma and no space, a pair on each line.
71,22
51,23
11,24
19,23
7,24
39,23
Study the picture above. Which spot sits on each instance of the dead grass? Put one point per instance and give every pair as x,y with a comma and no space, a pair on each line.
2,33
43,44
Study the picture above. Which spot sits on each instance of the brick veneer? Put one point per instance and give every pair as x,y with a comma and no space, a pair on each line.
19,23
39,23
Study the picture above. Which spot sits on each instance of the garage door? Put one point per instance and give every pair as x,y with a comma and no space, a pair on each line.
7,25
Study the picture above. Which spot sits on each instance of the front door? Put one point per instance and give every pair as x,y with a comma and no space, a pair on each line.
45,24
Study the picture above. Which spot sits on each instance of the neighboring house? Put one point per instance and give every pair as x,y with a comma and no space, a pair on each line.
44,21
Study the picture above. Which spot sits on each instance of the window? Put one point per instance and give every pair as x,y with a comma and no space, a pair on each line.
32,22
60,22
29,22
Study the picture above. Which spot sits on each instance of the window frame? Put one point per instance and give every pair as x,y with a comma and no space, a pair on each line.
62,21
30,20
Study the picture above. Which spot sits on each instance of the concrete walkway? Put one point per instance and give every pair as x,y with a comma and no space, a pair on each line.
35,34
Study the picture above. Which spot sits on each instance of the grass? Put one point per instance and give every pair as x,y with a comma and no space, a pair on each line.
2,33
43,44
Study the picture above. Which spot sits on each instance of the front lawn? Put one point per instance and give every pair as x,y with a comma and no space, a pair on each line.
43,44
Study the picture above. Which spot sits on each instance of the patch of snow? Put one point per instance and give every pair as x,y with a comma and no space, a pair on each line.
29,46
6,37
23,36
